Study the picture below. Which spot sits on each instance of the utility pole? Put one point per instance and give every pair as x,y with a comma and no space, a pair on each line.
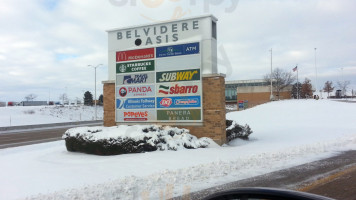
95,87
316,72
271,96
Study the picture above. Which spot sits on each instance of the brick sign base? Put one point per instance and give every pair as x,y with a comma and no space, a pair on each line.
214,115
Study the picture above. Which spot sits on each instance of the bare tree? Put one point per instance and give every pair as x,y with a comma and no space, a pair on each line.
307,90
30,97
63,97
280,79
343,86
328,87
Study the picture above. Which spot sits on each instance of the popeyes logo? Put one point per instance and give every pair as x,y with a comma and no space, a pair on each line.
166,102
136,116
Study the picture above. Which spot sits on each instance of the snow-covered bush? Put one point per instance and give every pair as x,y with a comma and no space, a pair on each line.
130,139
29,112
234,130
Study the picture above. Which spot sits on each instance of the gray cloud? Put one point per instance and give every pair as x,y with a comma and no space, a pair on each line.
45,46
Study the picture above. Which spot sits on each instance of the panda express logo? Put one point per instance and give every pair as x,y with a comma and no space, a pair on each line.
183,75
191,89
123,91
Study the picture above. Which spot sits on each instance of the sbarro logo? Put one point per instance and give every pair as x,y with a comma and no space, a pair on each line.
177,89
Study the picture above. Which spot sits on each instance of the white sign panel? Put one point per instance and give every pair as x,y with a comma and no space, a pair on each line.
158,69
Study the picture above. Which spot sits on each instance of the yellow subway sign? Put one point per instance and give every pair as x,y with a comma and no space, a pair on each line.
181,75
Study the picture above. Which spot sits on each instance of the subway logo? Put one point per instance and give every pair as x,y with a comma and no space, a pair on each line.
181,75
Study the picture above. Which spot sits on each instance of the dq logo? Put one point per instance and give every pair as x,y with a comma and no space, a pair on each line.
166,102
123,92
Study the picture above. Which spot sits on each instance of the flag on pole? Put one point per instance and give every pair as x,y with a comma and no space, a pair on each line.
295,68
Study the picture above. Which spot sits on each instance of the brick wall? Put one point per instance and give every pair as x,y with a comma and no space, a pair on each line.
258,98
214,114
109,103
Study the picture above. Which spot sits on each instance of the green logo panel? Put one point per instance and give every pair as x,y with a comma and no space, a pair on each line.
179,115
140,66
181,75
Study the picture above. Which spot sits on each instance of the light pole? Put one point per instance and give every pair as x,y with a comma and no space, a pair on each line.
316,72
95,86
271,96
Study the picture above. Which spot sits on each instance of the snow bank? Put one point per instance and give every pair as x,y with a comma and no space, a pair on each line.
131,139
286,134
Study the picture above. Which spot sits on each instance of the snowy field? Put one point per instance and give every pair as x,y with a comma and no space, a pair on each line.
29,115
286,133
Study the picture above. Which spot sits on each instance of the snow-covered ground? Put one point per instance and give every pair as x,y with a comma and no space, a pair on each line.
29,115
286,133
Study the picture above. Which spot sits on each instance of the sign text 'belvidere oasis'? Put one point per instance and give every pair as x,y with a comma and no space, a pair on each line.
159,34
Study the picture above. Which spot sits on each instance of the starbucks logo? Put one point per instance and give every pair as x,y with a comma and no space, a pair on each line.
122,68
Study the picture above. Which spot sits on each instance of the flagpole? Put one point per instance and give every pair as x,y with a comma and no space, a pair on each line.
297,83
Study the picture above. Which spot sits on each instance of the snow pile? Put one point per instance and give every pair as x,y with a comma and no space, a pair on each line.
285,134
131,139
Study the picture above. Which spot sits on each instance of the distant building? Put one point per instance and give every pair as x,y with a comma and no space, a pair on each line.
252,92
33,103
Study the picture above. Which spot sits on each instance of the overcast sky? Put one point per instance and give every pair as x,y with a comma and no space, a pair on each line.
47,45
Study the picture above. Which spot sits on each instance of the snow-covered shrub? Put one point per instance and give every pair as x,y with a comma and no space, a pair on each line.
234,130
130,139
30,112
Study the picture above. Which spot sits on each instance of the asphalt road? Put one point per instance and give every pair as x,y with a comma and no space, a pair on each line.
334,177
22,137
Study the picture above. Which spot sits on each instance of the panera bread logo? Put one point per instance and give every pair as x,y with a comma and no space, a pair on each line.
184,114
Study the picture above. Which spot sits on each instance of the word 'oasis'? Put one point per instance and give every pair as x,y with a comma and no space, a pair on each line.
159,34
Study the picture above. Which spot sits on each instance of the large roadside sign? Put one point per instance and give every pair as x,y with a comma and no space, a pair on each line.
171,93
158,68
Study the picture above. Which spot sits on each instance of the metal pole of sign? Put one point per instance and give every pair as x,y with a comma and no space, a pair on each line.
95,88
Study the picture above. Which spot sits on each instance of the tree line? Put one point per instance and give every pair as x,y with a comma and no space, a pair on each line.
88,98
282,79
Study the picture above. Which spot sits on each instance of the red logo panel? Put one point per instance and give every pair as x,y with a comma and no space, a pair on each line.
138,54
